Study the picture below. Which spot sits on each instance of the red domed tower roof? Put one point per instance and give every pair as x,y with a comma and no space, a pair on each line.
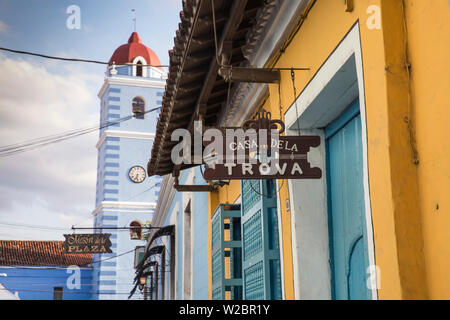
134,48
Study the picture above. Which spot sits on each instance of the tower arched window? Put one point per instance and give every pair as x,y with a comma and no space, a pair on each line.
139,67
138,107
139,71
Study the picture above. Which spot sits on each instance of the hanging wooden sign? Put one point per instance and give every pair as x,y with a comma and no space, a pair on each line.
87,243
263,155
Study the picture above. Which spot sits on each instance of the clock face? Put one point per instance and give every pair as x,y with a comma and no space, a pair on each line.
137,174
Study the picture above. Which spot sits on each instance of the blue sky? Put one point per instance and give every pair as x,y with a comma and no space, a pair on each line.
105,24
55,186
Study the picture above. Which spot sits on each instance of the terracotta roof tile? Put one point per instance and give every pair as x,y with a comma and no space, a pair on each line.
39,253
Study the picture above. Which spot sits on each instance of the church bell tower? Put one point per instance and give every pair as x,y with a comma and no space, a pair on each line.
126,196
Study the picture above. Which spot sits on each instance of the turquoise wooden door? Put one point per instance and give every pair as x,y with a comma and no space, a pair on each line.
348,236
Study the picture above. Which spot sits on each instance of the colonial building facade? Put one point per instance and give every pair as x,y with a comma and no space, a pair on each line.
369,78
133,88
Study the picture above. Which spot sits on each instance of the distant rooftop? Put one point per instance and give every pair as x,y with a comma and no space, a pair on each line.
39,253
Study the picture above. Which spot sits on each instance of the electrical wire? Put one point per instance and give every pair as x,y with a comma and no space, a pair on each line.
136,195
81,221
50,229
93,127
56,284
66,292
26,226
33,144
36,140
12,150
109,258
155,185
57,137
77,59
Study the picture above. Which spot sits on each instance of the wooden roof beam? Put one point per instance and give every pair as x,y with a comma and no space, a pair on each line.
221,16
235,15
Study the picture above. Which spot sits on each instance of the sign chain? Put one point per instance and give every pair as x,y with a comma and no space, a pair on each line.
279,100
266,195
295,100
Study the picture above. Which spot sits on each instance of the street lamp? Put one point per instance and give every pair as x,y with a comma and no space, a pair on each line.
142,281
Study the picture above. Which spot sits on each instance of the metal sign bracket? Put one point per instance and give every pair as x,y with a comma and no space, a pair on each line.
189,188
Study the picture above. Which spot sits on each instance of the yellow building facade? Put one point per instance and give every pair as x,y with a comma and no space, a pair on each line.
397,54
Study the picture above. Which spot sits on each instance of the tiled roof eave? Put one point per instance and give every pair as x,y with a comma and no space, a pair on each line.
177,111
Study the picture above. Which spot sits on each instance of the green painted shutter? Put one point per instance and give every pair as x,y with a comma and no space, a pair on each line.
260,243
226,217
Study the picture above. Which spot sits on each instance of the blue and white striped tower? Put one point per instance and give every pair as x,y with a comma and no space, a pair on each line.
122,146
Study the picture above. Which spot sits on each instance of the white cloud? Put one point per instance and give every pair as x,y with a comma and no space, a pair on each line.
54,185
3,27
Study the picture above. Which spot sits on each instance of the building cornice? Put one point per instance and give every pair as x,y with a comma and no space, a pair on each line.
135,81
108,205
124,134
